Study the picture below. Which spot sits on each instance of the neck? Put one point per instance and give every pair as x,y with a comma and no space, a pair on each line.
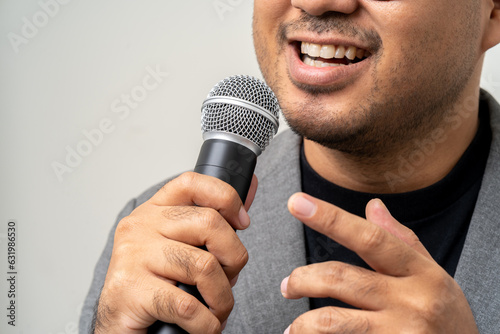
415,165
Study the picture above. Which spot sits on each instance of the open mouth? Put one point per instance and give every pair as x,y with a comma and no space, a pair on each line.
318,55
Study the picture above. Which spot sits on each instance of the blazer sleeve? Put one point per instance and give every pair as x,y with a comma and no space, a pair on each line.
101,268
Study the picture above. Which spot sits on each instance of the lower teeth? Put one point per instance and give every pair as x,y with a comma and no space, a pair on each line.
318,63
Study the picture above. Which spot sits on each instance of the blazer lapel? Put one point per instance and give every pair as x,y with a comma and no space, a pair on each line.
275,242
478,271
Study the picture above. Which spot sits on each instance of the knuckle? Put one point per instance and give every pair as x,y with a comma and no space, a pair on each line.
339,320
335,274
325,321
295,278
207,264
242,258
429,310
228,196
432,306
117,282
237,259
182,184
123,249
412,238
187,179
186,306
226,302
212,219
370,288
126,226
372,237
332,219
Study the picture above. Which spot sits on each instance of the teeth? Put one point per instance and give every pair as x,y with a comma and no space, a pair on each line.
332,51
314,50
340,53
304,47
327,51
318,63
350,53
360,53
308,61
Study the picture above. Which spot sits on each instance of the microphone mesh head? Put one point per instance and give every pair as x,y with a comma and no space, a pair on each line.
231,114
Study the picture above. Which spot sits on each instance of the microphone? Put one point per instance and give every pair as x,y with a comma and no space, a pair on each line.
239,118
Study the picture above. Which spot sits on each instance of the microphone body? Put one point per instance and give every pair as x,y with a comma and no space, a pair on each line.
228,161
239,118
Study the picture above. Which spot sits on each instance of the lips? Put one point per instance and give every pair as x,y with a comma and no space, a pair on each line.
325,64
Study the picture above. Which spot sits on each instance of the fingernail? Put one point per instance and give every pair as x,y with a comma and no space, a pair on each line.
304,207
244,218
284,286
224,325
287,330
379,203
381,206
234,281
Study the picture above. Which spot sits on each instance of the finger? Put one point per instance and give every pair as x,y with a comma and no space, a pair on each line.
205,191
174,261
251,192
193,266
206,228
378,248
190,265
377,213
334,320
353,285
159,301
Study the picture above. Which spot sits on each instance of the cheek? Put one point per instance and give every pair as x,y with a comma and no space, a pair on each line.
415,42
267,18
421,28
271,11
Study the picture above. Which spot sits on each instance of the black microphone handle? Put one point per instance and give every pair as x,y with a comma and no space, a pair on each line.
232,163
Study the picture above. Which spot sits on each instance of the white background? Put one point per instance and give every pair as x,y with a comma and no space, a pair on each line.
61,82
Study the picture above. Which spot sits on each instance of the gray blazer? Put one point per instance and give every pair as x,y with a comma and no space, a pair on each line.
275,242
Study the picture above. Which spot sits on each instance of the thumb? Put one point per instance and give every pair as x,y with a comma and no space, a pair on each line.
377,213
251,192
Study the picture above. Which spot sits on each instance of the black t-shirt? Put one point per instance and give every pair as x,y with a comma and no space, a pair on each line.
439,214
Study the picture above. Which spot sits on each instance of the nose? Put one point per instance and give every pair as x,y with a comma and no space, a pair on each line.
319,7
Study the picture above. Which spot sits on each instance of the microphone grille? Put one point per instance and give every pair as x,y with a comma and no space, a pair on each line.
244,106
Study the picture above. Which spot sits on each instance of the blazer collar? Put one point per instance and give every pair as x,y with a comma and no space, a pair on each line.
479,266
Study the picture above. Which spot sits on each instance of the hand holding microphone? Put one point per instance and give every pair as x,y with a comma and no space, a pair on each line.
157,245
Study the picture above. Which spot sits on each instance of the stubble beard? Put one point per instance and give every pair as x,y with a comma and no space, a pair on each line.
386,121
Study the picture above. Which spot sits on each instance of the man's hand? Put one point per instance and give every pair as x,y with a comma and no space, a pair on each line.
156,246
408,292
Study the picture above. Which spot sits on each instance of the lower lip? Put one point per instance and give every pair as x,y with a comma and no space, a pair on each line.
321,76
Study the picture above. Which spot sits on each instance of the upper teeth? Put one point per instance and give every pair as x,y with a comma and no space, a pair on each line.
333,51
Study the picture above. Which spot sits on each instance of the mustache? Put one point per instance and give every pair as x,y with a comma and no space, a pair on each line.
329,22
